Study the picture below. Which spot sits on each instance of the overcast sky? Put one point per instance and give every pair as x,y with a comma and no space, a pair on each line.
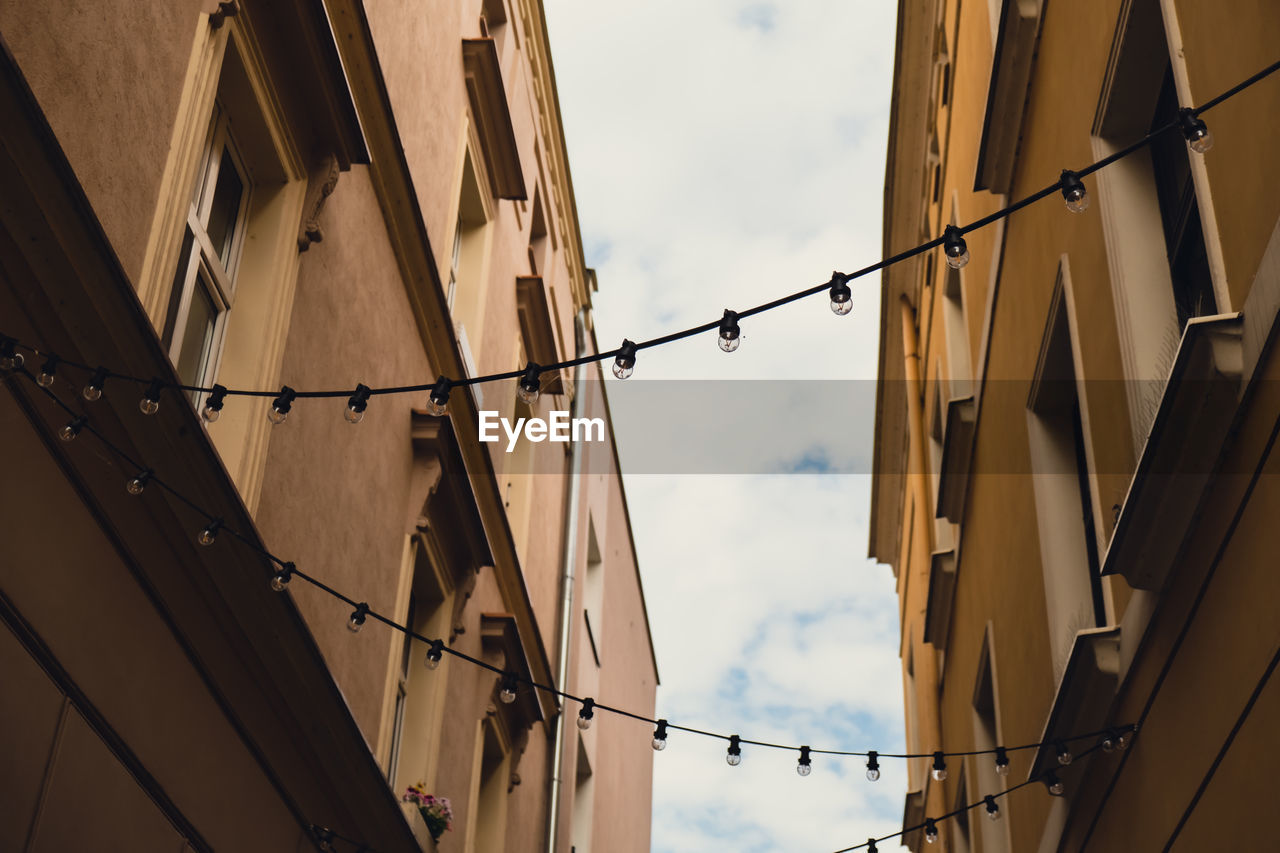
724,153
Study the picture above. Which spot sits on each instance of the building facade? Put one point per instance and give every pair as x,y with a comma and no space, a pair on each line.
1074,431
312,194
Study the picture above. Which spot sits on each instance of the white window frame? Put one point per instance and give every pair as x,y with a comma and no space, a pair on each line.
204,261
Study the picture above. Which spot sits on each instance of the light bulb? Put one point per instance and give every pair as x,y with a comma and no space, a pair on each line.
508,692
150,402
1122,740
281,405
993,810
93,390
1064,754
660,736
930,830
72,429
841,294
138,483
625,364
1002,762
587,712
359,401
873,766
10,358
805,765
1195,131
1074,192
209,534
438,402
530,385
659,744
213,404
730,335
356,622
939,767
1055,784
281,578
733,756
954,247
435,654
47,373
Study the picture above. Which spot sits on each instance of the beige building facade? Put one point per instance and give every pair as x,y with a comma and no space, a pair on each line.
1074,474
310,194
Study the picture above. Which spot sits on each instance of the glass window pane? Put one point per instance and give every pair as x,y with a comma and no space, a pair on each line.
175,295
198,337
225,209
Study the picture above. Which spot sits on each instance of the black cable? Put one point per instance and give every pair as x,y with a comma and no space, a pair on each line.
1002,213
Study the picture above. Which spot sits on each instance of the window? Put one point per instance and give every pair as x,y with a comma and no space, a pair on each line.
468,260
992,836
490,822
1063,492
204,282
593,591
1179,213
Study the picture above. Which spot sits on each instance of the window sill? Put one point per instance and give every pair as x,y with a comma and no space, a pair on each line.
419,826
1181,452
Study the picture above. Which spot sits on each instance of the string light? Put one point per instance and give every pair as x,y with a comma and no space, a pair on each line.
10,358
1122,739
150,402
730,334
871,845
281,405
530,385
625,364
47,372
281,578
72,429
507,692
873,766
438,402
93,390
733,756
356,622
357,404
1194,130
939,767
586,713
213,404
660,736
1054,783
435,654
1064,754
841,294
1074,192
209,534
805,765
1002,762
930,830
993,810
954,247
136,485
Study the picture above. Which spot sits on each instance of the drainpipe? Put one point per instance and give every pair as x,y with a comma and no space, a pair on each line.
567,577
926,665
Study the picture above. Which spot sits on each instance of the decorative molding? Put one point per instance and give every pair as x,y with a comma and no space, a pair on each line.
317,195
483,75
229,9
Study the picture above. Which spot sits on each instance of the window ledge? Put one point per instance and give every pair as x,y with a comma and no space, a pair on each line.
419,826
942,593
1083,699
493,118
957,454
913,816
1186,438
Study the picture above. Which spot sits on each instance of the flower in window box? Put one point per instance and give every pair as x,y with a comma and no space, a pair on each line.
435,811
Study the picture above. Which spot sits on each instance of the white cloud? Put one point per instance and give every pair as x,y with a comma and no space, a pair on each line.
724,153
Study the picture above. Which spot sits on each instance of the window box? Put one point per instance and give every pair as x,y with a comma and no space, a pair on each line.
419,826
1083,700
1181,452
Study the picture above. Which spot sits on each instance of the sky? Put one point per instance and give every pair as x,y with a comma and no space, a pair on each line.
724,153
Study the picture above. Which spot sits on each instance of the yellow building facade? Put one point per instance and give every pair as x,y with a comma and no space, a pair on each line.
1074,477
306,194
